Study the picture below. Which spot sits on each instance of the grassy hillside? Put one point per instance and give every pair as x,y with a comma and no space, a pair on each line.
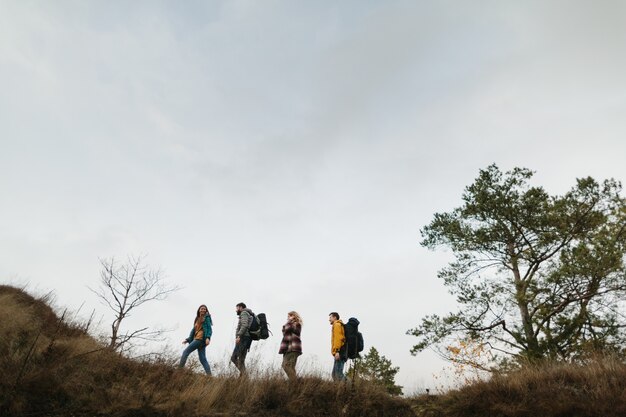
54,368
51,367
552,390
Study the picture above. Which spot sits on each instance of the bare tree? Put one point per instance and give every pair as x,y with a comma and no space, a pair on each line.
126,286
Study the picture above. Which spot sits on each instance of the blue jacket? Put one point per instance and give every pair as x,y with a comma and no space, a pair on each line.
207,329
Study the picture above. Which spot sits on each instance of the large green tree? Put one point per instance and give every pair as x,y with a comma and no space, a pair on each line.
535,275
376,368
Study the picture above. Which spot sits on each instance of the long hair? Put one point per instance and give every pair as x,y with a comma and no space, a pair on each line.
198,312
296,317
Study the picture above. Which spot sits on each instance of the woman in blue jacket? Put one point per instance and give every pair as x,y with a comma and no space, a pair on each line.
199,338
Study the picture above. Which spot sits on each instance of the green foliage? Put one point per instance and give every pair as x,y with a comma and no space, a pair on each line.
376,369
536,276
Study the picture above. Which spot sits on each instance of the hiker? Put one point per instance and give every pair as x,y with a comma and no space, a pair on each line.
242,339
291,345
337,343
199,338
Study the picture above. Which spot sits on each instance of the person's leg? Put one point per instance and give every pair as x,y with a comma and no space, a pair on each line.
338,374
190,348
245,346
239,355
234,358
285,365
342,376
294,363
202,357
289,364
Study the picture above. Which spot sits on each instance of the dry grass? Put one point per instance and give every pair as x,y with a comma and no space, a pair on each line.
53,367
550,390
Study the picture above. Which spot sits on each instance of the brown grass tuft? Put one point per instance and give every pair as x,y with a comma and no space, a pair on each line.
549,390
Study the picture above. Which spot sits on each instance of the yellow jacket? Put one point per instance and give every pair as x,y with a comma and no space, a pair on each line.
338,337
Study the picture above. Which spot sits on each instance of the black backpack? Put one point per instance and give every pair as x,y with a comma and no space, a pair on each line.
258,328
354,338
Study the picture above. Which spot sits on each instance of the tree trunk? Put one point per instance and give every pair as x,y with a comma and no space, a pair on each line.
532,345
115,327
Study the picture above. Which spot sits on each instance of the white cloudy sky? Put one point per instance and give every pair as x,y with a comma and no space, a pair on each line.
286,153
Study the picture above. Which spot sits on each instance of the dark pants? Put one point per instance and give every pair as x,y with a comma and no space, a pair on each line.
240,352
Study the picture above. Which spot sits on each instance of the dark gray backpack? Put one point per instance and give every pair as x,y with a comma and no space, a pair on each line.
259,328
354,338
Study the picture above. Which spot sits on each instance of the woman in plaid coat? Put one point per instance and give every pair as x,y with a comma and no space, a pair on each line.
291,345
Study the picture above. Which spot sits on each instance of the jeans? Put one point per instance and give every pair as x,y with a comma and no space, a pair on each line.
240,352
338,374
201,346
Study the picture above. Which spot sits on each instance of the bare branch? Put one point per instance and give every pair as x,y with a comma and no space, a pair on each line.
124,287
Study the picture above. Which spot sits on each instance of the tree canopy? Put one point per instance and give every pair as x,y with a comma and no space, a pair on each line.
535,275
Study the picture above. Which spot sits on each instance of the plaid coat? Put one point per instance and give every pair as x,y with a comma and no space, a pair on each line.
291,338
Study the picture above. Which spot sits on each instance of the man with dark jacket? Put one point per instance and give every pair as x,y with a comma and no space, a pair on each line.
242,337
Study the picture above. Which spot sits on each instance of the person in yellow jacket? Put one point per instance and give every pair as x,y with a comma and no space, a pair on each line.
337,346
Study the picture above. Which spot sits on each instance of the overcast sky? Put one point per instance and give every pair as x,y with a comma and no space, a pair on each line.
287,153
